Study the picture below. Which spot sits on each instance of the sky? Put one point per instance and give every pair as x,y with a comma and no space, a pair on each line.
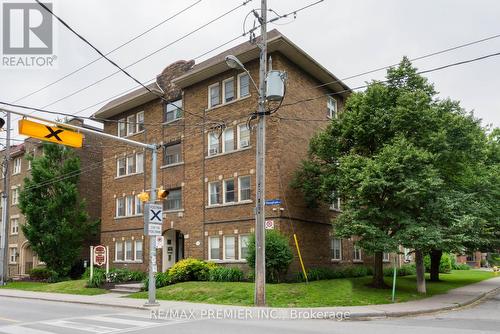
346,37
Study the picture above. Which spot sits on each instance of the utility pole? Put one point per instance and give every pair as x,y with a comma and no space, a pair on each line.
260,232
4,246
152,244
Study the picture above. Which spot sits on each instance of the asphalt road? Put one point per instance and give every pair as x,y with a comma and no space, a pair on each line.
22,316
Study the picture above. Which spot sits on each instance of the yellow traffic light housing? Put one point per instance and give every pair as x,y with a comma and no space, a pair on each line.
143,197
162,193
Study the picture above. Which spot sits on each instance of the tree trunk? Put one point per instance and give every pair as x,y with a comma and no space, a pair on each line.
419,262
435,262
378,271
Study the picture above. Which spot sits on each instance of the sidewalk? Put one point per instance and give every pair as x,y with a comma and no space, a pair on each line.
454,298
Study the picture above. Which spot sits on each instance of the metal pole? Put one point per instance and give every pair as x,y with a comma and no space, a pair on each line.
260,246
152,246
4,261
394,282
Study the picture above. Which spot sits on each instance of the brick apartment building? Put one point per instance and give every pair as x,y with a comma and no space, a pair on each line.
20,255
211,176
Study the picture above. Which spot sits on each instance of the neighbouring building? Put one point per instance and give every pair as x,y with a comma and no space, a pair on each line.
21,257
210,174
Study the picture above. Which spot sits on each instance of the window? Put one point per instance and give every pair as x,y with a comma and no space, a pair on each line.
122,129
244,188
172,154
213,95
173,111
140,121
331,106
229,191
213,144
15,196
14,226
139,162
131,125
130,164
336,249
121,168
386,257
243,136
174,200
407,254
119,251
138,250
13,255
229,247
120,207
244,85
228,90
17,166
357,253
243,243
138,206
29,164
228,143
214,248
335,202
128,250
129,205
214,193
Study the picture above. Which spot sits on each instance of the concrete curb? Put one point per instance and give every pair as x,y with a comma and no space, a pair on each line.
359,316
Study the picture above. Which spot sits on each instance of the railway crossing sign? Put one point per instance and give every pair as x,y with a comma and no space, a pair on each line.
153,219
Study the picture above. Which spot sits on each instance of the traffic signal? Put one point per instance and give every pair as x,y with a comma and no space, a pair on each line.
143,197
162,193
2,122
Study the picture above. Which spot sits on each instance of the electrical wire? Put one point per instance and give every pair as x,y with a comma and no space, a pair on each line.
108,53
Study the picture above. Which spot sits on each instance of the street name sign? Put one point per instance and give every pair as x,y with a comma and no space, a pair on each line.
273,201
53,134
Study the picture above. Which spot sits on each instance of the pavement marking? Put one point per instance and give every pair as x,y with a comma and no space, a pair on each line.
135,323
22,330
80,326
9,320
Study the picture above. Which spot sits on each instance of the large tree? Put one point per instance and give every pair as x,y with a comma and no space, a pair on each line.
397,156
56,220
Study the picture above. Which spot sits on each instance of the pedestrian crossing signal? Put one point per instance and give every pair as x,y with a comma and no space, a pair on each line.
162,193
143,197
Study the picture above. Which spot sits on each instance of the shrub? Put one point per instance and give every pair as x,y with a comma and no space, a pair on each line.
98,279
190,270
494,259
321,273
162,279
461,266
445,266
278,255
41,273
116,275
404,270
225,274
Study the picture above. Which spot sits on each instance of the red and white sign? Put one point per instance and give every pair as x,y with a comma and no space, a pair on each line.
100,255
269,225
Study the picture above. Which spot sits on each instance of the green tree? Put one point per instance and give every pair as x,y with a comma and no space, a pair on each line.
278,255
56,220
398,157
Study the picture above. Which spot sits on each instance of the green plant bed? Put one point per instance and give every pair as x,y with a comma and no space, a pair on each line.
336,292
76,287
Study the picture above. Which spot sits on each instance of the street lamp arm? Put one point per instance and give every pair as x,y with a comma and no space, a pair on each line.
253,81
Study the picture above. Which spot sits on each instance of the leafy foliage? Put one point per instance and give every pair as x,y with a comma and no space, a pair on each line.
278,255
225,274
56,220
446,264
461,266
190,270
322,273
404,270
116,275
41,273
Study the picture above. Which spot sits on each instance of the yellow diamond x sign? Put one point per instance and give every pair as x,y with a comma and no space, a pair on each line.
50,133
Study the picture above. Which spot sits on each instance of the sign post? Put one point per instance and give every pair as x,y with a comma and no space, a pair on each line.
91,262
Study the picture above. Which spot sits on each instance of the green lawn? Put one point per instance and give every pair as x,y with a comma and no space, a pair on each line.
76,287
338,292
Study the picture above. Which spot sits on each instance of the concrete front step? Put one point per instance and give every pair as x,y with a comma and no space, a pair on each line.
127,288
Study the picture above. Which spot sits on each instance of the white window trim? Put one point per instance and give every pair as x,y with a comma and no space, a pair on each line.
16,256
388,259
165,111
224,248
360,254
210,192
333,249
238,135
14,169
120,122
137,122
210,95
224,192
124,207
224,90
209,147
11,226
137,164
135,250
181,157
239,188
210,248
328,99
134,116
15,190
116,251
239,246
224,141
129,207
239,83
125,250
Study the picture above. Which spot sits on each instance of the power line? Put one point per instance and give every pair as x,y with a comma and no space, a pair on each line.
463,62
108,53
414,59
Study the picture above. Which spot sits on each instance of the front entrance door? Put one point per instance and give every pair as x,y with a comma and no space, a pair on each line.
173,248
